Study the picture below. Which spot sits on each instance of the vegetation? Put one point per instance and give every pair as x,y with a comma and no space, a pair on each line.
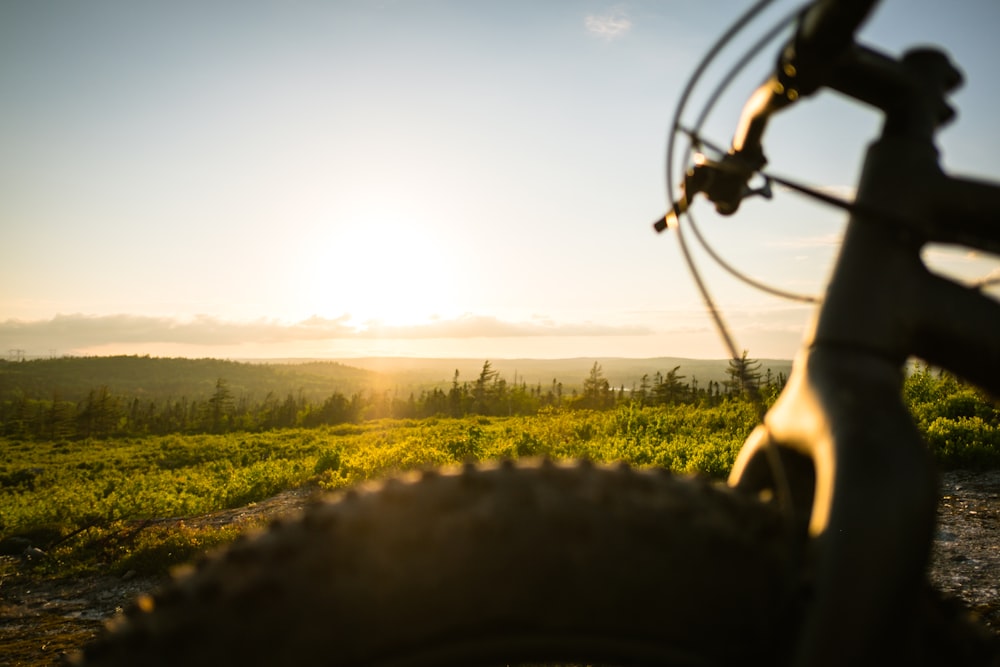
222,407
960,423
89,483
158,379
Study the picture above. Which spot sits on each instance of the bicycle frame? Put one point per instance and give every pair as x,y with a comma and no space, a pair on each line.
840,426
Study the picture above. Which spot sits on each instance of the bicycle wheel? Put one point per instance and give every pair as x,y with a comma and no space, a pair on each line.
487,565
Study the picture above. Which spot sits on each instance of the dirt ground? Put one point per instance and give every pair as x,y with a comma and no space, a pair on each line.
41,621
966,560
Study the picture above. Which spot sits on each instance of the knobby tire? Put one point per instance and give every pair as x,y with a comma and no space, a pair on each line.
489,565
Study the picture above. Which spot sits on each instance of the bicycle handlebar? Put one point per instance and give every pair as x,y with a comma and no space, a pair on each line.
824,37
825,31
825,34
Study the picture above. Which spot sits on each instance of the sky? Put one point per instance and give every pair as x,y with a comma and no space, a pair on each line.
440,178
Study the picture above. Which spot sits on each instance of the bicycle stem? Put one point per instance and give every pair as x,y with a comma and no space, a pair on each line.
904,202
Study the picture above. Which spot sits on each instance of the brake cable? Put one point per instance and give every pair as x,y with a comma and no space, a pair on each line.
676,127
805,190
780,476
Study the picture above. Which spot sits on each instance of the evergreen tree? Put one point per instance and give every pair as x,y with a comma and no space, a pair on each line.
670,388
744,375
220,406
99,415
482,387
596,390
455,398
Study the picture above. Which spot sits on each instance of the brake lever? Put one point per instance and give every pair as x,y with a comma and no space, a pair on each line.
764,191
725,183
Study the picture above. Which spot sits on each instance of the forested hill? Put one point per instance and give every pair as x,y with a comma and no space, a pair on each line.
72,378
153,378
619,371
80,397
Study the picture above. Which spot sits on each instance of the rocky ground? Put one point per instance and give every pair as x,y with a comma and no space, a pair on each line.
42,620
966,561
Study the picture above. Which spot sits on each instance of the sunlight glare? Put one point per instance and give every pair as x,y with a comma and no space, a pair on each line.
381,268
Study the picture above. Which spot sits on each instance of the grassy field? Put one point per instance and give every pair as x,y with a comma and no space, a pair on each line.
97,506
76,499
71,498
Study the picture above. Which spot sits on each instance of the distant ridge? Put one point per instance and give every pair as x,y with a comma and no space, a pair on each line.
619,371
71,378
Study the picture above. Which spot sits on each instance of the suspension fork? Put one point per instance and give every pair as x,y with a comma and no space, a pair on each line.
873,500
873,504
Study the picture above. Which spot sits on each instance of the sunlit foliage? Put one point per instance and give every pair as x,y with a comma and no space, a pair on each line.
93,502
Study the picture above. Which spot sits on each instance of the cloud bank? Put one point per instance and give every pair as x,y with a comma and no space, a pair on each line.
65,332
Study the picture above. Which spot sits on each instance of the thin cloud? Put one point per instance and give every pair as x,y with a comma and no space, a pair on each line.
991,278
609,26
78,330
968,266
821,241
75,331
843,192
950,254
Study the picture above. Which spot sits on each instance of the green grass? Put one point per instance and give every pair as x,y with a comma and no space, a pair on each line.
89,502
85,501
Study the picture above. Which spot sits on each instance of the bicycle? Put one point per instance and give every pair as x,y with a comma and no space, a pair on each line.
815,552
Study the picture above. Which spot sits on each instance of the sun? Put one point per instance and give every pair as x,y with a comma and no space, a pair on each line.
382,269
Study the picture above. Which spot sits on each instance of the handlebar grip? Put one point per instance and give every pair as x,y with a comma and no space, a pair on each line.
824,34
826,30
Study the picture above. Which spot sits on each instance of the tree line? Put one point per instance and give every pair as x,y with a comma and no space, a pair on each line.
166,378
103,413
